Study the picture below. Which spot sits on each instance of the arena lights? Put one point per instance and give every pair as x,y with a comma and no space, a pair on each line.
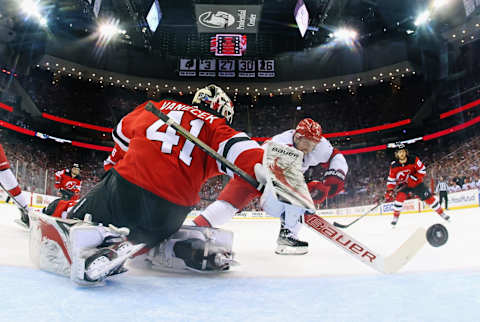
439,3
426,15
422,18
345,34
32,8
109,30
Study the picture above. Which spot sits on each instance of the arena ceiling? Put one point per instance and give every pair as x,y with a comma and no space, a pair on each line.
71,27
277,30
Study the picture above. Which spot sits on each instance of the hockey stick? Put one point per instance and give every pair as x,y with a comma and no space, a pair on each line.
23,211
325,229
379,202
366,213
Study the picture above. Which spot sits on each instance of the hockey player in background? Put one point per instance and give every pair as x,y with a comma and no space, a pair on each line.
69,182
407,173
153,180
306,137
10,185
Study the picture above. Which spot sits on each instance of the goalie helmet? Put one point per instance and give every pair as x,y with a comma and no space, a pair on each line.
214,98
309,129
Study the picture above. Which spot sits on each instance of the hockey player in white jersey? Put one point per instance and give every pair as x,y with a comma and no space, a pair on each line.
306,137
10,184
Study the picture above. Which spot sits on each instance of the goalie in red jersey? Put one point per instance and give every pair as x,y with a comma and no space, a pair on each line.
153,179
407,173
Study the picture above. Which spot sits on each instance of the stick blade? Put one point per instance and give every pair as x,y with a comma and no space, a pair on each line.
336,224
405,252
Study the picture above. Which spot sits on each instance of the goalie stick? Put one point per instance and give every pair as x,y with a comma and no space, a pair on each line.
361,252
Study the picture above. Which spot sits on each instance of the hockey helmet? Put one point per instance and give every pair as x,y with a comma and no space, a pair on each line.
309,129
75,165
399,146
214,98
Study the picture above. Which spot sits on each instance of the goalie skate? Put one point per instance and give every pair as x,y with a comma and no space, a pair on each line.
288,244
199,249
106,262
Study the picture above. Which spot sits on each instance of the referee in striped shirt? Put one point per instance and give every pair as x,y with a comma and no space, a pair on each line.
442,190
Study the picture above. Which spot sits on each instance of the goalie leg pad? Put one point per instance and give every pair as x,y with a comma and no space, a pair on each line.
194,248
63,246
49,245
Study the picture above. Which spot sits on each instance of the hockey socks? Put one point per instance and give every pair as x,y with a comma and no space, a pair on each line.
396,216
435,205
201,221
216,214
10,184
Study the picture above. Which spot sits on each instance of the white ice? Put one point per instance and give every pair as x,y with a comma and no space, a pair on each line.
439,284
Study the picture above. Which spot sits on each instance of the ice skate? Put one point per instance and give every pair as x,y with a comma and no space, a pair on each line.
445,216
108,261
288,244
394,221
24,220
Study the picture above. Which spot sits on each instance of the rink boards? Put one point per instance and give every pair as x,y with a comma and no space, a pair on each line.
456,200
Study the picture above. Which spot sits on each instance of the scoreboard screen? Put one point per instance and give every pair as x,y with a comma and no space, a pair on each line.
228,44
227,67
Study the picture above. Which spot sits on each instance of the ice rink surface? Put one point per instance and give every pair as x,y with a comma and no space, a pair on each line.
439,284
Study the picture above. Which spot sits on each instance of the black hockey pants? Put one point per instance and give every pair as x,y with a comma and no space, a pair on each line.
116,201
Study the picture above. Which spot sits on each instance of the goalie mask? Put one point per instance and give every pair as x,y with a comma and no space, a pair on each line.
214,98
309,129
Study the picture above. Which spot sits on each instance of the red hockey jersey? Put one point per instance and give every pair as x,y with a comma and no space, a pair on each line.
410,173
65,181
152,155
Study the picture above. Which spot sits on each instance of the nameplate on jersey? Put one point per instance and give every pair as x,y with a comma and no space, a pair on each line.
167,105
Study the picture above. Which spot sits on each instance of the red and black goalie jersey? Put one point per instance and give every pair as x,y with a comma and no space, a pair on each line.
152,155
411,173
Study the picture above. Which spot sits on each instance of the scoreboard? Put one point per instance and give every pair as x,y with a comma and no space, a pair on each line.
224,67
228,44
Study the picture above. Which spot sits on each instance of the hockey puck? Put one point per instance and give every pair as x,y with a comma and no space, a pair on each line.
437,235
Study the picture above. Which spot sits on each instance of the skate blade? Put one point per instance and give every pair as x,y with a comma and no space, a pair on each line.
289,250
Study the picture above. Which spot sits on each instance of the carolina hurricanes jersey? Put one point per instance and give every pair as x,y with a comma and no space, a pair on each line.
64,180
238,193
3,160
324,154
152,155
399,173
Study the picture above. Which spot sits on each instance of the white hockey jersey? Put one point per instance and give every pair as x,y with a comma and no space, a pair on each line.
323,154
